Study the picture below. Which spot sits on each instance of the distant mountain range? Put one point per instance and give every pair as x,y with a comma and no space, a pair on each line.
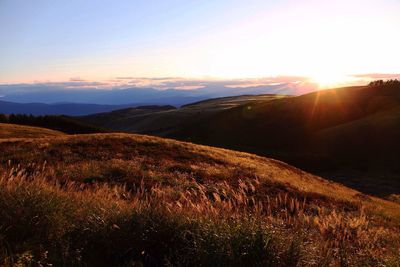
74,102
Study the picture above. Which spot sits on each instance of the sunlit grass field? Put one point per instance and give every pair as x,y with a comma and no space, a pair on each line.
22,131
132,200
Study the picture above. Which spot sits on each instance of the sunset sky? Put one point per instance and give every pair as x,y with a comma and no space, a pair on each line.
328,41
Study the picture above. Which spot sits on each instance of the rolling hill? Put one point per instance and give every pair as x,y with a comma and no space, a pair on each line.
118,199
166,120
20,131
348,130
79,152
347,134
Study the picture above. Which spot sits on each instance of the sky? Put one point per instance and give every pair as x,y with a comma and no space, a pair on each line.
330,42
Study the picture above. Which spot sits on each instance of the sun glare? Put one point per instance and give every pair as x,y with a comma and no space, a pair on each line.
329,80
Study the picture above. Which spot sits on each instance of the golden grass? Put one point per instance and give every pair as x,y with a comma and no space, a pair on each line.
122,198
19,131
218,224
126,158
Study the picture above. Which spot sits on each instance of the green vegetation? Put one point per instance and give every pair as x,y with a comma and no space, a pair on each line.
131,200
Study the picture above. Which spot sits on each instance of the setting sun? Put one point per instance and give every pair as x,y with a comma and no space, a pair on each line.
328,80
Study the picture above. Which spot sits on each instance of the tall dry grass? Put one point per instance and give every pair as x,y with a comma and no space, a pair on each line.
44,221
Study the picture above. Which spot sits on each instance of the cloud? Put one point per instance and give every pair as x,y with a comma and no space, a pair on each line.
76,79
377,76
124,78
163,83
285,84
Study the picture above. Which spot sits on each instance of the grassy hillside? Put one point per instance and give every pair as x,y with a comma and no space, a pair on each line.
347,134
167,120
19,131
346,129
296,121
130,118
127,200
